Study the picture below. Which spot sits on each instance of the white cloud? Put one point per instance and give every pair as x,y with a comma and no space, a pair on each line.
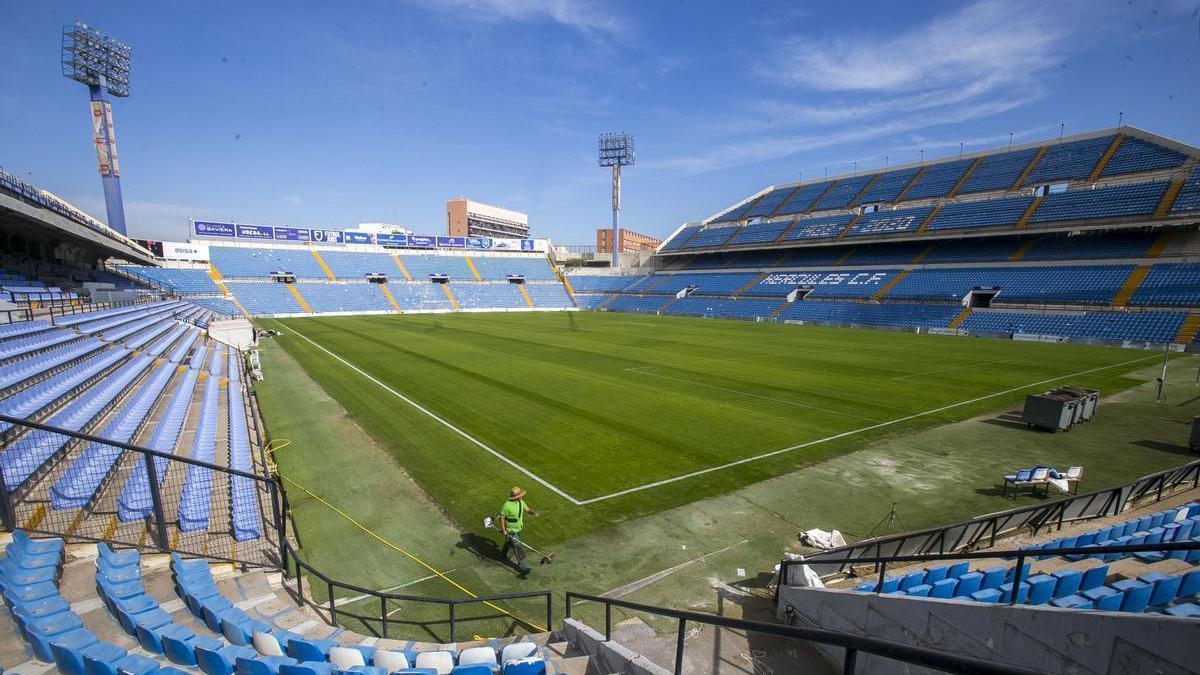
987,41
584,15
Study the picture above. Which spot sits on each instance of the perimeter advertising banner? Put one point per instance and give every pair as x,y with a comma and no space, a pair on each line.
421,241
292,234
479,243
357,237
204,228
451,242
327,236
391,239
194,251
254,232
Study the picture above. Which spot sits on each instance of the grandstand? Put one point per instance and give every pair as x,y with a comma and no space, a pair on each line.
1091,238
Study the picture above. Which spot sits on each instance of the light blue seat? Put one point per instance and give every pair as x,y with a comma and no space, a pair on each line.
968,584
1136,599
1093,577
475,669
912,579
151,639
1041,588
1072,602
935,574
36,546
304,650
417,671
944,589
115,559
987,595
891,585
1104,598
1189,585
307,668
992,578
183,650
25,593
262,665
532,665
130,664
32,561
1166,587
920,590
957,570
47,606
239,628
1006,590
70,657
1188,610
222,660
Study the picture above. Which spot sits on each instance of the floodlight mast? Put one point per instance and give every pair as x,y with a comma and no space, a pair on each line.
616,150
102,63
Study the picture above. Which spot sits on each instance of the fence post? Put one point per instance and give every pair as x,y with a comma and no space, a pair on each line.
679,647
882,576
549,612
1016,582
280,530
299,580
6,510
452,633
160,520
383,618
850,662
332,606
607,621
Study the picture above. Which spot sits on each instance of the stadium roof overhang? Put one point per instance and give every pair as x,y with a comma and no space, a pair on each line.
47,224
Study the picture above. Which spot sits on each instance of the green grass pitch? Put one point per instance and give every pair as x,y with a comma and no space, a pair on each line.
605,417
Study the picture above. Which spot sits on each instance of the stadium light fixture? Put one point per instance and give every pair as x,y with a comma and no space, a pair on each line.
616,151
102,63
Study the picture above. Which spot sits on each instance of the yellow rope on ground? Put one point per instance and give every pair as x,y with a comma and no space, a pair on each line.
271,448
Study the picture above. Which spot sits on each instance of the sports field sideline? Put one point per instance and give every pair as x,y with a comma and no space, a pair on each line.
616,416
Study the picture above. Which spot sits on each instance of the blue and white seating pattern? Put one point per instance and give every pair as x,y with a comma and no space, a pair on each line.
258,263
998,172
1136,155
1141,326
1003,212
938,179
842,193
1069,161
1085,285
1137,199
1169,285
181,281
888,185
488,296
344,297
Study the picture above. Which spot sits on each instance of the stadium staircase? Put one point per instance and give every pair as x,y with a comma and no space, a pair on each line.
1098,170
299,298
1029,167
1132,282
929,219
400,266
450,296
321,263
474,272
216,277
1023,221
746,286
1168,198
525,296
891,283
1189,330
962,180
844,257
387,293
913,181
849,226
1160,244
959,318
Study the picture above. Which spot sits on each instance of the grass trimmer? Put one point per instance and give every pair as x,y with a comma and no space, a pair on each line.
546,558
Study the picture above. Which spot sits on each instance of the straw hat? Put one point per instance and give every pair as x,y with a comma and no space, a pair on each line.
516,493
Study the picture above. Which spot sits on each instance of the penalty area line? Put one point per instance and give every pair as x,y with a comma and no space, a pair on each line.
483,446
852,432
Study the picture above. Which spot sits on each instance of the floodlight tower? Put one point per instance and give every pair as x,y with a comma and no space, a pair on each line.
616,150
101,63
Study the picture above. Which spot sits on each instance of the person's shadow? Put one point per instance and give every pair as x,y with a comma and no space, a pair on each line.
484,548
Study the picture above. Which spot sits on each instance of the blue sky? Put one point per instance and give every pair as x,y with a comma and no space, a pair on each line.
331,113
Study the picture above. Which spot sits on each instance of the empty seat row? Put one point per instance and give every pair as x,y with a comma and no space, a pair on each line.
195,502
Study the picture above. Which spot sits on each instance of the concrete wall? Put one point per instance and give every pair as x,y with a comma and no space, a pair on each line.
608,656
1046,639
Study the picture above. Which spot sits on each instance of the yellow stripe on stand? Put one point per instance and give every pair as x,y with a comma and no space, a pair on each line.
400,265
299,300
471,266
321,261
525,294
387,293
449,296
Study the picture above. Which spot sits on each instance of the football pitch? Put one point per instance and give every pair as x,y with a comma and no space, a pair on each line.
604,417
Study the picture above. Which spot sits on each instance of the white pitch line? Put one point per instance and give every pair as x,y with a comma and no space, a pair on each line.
541,481
852,432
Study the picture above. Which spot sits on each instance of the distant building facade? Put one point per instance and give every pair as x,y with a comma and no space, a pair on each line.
465,218
628,241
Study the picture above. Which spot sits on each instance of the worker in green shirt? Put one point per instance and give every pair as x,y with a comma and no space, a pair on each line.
512,521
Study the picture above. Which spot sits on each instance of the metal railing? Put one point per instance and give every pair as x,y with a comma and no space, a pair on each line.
1021,555
853,644
985,530
77,486
294,567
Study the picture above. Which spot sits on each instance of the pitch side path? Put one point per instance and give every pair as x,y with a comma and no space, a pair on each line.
610,416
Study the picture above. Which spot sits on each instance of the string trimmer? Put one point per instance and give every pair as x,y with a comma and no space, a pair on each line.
547,558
